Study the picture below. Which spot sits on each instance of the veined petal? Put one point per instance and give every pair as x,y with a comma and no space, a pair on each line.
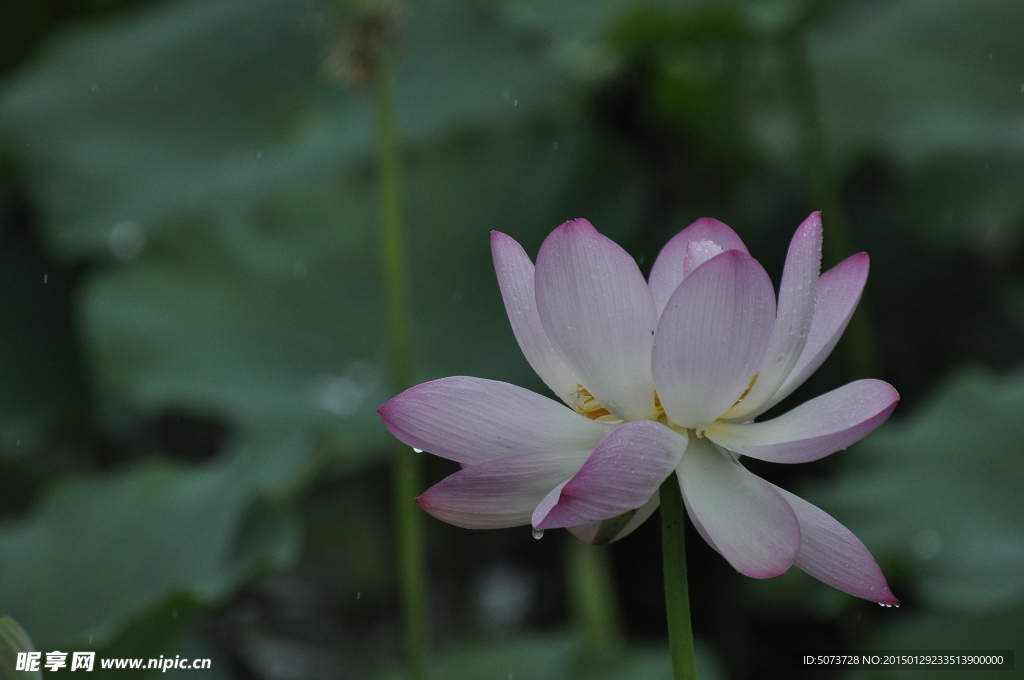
622,474
712,337
501,493
839,291
667,272
814,429
699,252
598,313
591,531
515,278
470,420
832,554
747,520
793,321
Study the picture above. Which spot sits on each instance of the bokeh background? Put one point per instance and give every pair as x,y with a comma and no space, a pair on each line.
192,336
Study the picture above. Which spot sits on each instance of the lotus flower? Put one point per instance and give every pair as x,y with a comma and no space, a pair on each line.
658,376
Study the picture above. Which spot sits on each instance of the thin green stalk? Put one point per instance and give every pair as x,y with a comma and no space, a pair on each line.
860,346
677,596
592,595
406,473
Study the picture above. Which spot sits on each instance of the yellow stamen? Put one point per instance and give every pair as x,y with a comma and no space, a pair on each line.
585,404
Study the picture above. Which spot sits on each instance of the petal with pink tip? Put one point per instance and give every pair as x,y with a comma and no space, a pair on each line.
591,532
712,337
501,493
747,520
814,429
839,291
793,320
596,309
832,554
622,474
515,278
470,420
668,270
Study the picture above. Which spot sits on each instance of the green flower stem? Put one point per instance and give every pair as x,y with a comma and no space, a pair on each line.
677,596
860,345
406,474
592,595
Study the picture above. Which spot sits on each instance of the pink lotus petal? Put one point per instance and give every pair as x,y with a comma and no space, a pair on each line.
596,309
501,493
814,429
839,291
832,554
747,520
696,523
712,337
515,278
470,420
793,321
699,252
622,474
589,532
668,270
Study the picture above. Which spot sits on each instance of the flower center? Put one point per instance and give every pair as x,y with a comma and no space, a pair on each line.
585,404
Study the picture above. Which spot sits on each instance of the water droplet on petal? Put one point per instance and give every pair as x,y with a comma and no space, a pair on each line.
538,533
415,450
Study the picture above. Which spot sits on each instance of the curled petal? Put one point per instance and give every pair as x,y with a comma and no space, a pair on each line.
596,309
600,533
745,519
470,420
839,291
501,493
622,474
793,320
832,554
712,337
814,429
668,270
515,278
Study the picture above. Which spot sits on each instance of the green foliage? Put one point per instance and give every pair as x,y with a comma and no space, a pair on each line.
101,552
940,89
560,657
937,496
225,190
938,492
12,641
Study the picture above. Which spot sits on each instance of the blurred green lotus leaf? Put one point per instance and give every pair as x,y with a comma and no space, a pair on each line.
561,657
283,324
202,106
102,551
14,640
231,185
939,490
939,90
